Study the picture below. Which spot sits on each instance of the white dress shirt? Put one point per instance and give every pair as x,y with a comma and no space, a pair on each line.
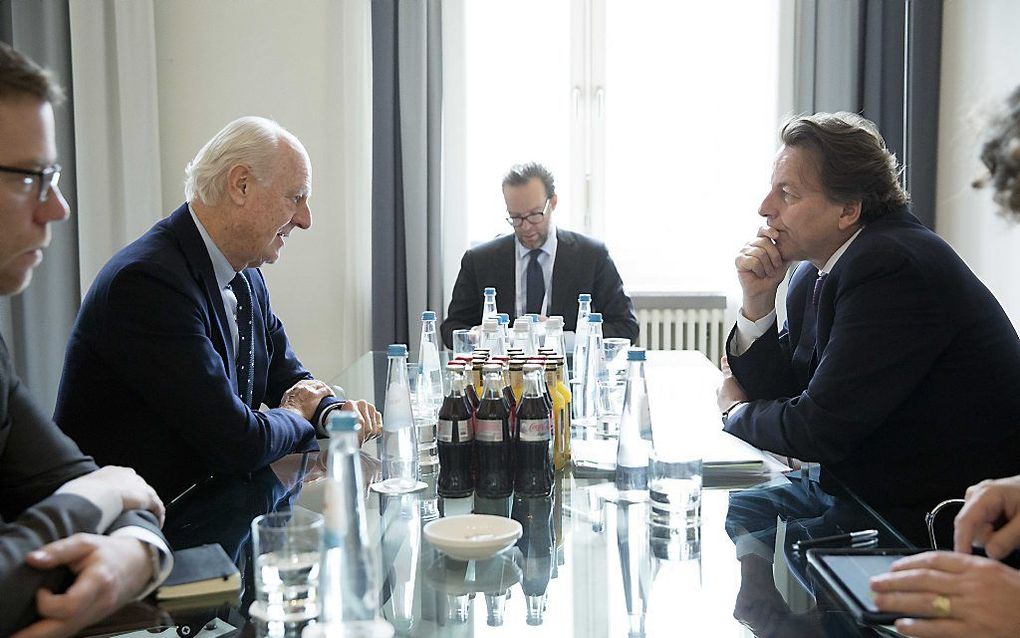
545,259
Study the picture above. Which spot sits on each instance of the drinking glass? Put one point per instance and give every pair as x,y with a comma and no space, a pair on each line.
286,549
615,351
674,492
464,341
609,405
426,416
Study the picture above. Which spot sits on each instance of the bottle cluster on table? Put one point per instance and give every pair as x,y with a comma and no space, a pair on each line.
504,426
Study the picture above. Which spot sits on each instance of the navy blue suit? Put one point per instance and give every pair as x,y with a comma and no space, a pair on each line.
149,377
911,395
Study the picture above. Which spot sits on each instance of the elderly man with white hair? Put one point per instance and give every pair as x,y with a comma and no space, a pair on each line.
176,346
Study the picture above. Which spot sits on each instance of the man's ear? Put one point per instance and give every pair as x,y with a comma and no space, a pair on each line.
552,201
239,180
850,216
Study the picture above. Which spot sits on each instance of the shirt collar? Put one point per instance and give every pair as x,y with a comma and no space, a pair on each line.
549,247
222,269
829,265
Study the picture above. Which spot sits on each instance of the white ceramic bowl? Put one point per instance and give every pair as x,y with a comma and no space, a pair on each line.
472,536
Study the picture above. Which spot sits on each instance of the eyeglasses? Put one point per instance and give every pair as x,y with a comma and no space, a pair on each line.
46,179
929,518
531,218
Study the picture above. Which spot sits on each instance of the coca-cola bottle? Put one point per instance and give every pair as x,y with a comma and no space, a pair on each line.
492,440
455,439
533,440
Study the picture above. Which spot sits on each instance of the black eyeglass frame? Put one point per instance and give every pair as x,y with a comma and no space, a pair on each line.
46,178
517,222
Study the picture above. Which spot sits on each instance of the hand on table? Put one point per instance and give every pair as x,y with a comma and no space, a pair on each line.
730,391
110,572
962,595
304,396
134,492
368,417
986,503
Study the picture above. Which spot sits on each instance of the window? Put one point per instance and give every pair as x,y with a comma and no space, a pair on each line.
658,120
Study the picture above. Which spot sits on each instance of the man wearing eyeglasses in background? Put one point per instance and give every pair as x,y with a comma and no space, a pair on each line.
539,269
76,542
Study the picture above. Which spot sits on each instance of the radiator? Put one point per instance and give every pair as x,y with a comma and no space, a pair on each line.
683,329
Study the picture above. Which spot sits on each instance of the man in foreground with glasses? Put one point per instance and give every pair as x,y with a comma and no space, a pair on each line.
76,542
897,369
178,326
539,269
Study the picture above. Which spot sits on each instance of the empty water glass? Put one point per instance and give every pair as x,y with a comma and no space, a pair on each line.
286,551
464,341
609,405
615,351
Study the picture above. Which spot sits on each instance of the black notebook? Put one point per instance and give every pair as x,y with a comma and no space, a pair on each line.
200,571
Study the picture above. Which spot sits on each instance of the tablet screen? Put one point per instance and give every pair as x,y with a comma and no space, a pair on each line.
855,571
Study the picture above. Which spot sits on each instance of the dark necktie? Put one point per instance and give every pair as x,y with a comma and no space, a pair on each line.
245,362
535,284
804,354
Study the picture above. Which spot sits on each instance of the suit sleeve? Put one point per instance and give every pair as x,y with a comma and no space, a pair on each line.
465,309
159,345
36,459
889,322
609,298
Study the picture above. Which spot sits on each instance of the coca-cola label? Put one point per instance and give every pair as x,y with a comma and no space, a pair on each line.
535,429
489,430
444,432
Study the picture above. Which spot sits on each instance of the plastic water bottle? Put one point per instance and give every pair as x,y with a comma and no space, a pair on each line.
428,356
491,339
581,335
399,455
554,335
489,303
635,431
349,577
586,397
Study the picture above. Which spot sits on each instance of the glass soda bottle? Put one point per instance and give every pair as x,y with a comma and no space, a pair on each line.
533,441
455,438
400,471
635,430
493,441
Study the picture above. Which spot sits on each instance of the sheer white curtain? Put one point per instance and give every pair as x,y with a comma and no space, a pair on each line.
116,123
155,80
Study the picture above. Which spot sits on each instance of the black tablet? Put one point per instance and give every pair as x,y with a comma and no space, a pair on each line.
847,572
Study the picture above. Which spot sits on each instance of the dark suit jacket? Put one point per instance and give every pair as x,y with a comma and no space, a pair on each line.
912,394
149,378
35,459
582,265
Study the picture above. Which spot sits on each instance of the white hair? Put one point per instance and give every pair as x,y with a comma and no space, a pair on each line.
248,141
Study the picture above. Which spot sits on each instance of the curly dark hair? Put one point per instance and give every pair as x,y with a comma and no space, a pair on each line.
1001,155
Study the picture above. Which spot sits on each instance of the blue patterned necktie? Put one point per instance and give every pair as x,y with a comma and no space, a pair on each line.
535,283
245,362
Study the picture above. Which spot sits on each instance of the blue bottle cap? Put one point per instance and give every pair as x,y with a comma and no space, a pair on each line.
584,297
428,315
533,317
503,318
595,317
636,354
342,421
396,350
490,291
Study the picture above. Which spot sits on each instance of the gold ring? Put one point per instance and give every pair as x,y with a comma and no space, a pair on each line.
941,606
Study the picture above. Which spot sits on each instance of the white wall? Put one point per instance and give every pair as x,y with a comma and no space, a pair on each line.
980,66
307,66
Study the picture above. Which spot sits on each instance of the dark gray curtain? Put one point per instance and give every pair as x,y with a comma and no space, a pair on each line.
37,322
406,152
880,58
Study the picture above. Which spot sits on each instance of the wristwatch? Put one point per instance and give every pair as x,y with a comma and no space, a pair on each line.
733,406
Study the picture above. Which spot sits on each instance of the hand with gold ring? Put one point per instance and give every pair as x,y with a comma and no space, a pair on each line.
951,595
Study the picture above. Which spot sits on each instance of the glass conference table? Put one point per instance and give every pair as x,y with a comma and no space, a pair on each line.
585,566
